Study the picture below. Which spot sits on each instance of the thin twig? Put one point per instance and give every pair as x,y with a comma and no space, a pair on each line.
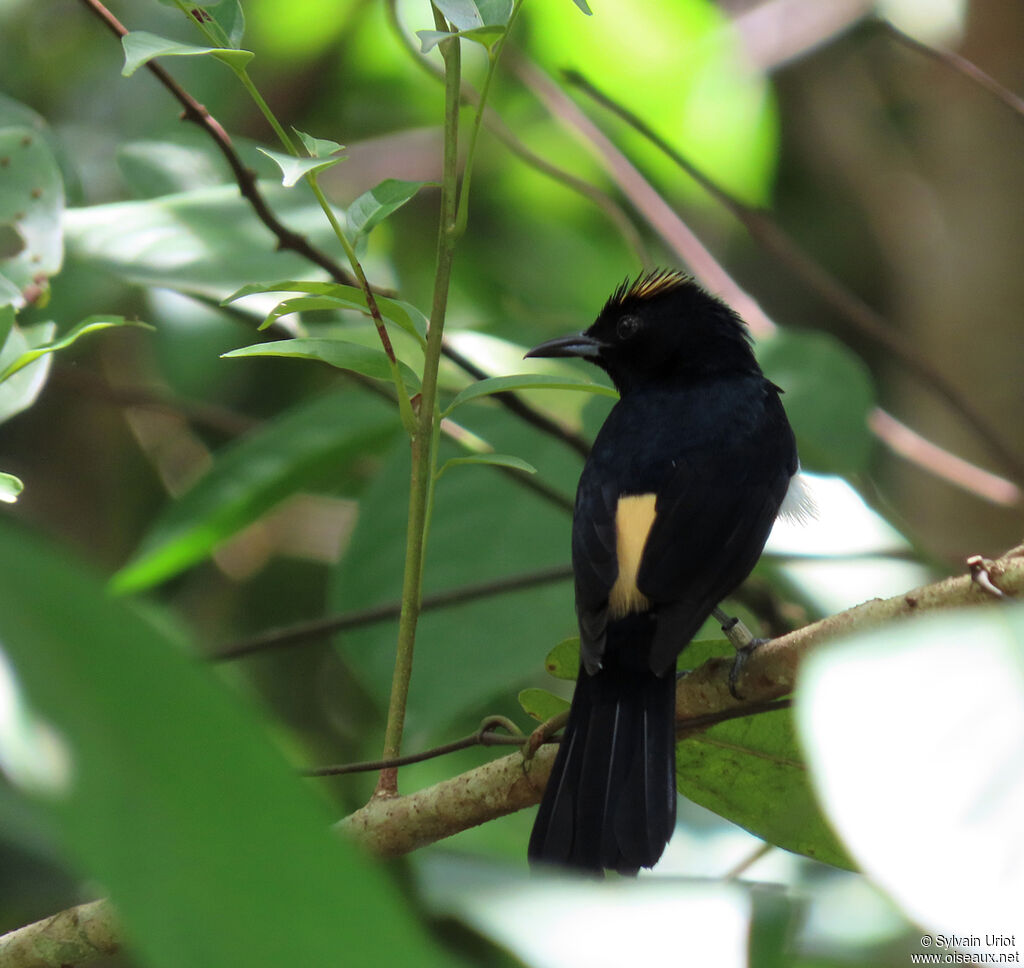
245,178
909,444
484,735
958,63
766,231
303,632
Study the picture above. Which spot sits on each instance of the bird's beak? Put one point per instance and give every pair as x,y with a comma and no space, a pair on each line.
575,344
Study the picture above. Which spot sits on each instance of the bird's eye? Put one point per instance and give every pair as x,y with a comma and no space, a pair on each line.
627,327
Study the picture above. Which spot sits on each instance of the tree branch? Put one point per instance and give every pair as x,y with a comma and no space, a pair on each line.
398,825
195,112
72,937
510,783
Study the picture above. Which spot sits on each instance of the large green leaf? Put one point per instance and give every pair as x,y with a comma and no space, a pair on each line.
828,397
751,772
31,205
366,360
915,736
206,242
297,450
169,794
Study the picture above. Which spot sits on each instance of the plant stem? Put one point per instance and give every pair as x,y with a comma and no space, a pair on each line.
423,448
493,55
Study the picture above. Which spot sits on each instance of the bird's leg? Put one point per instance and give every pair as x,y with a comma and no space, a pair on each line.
742,641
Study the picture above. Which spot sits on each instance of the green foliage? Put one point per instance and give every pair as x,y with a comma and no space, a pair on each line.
140,47
153,779
300,449
828,397
541,704
211,850
926,791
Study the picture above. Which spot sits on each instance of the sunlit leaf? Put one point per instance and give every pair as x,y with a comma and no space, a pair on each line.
366,360
10,488
928,790
300,449
140,47
293,169
542,705
206,241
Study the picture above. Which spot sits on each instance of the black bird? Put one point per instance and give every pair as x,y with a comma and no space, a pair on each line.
673,509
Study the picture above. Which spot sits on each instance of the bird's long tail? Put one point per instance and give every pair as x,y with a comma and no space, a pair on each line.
610,802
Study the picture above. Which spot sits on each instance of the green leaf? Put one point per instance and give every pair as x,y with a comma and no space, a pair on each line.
828,396
526,381
292,168
31,208
299,449
751,772
170,792
10,488
231,18
485,36
90,325
541,704
372,207
366,360
497,460
205,242
468,14
402,314
21,390
140,47
318,147
927,791
563,661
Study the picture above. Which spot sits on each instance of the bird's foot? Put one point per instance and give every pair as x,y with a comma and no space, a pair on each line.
743,654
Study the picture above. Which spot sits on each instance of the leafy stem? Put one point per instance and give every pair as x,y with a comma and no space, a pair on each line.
493,56
424,449
215,35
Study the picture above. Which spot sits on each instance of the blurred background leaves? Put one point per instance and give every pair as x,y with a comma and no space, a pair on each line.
898,175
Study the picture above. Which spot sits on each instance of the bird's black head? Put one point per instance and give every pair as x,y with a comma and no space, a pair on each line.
661,328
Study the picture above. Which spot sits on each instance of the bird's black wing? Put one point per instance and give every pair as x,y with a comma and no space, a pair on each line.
713,518
717,495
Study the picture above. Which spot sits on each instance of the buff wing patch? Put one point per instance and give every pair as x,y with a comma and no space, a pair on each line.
634,516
